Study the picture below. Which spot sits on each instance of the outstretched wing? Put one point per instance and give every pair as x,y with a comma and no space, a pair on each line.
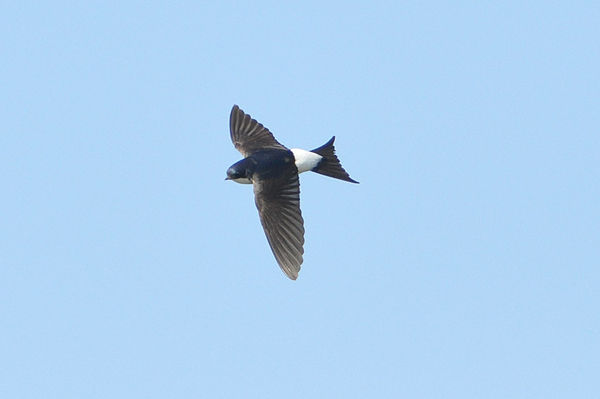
278,203
249,136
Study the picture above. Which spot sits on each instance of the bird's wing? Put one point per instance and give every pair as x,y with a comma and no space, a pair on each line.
249,136
278,203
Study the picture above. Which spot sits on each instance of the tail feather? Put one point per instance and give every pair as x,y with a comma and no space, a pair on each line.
330,164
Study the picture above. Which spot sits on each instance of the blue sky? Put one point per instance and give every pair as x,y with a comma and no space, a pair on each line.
465,264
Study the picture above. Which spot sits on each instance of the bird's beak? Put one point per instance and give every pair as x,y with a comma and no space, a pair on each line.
227,178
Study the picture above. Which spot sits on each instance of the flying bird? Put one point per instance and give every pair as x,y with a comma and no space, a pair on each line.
273,170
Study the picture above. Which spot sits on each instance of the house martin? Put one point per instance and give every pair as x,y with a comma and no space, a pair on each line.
273,170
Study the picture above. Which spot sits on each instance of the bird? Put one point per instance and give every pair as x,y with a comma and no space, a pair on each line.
273,171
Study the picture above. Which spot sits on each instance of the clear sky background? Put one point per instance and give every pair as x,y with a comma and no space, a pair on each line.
465,265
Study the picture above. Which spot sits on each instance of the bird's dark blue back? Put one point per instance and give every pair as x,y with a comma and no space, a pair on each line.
273,164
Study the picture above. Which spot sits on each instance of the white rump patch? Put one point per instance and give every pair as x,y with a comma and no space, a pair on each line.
305,160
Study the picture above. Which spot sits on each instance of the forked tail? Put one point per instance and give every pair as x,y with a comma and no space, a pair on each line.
330,164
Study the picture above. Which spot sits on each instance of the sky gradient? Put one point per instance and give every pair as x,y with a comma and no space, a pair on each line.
464,265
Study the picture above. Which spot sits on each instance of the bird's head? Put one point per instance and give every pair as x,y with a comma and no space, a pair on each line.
239,173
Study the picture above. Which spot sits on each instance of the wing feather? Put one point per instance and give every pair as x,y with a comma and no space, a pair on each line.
249,136
278,203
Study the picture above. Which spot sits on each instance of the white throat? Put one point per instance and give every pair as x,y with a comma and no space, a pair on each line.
242,180
305,160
